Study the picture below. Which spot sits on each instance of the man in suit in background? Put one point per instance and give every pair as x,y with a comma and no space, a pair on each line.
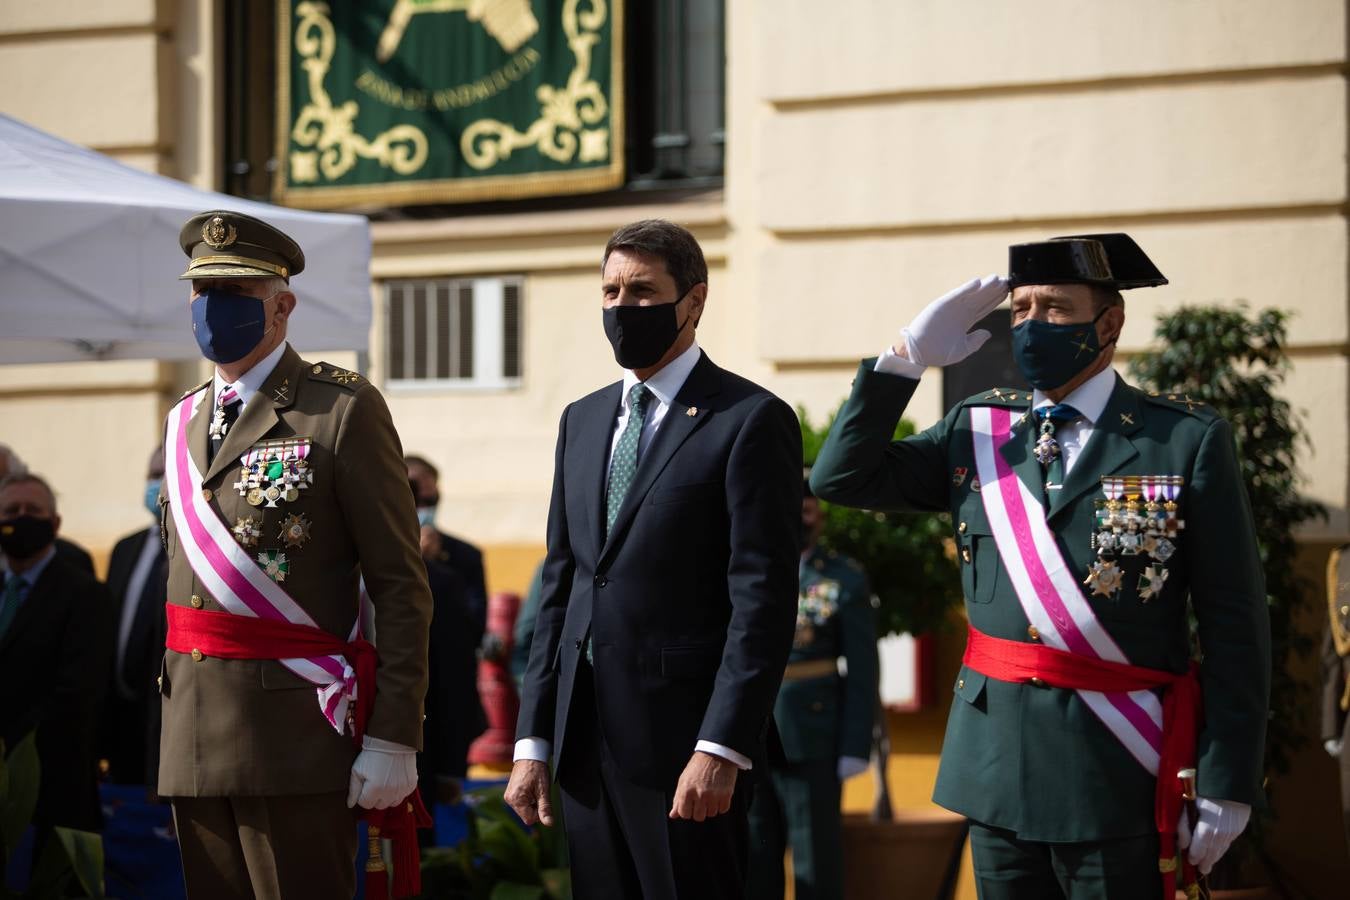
71,552
446,549
1090,517
825,720
138,580
669,595
55,644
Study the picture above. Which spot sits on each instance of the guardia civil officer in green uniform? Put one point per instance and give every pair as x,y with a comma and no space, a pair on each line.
824,719
285,501
1088,514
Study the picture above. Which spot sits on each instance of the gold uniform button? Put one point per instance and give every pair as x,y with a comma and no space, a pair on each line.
960,684
207,495
1033,633
1345,610
965,554
1036,682
317,370
196,602
961,528
196,655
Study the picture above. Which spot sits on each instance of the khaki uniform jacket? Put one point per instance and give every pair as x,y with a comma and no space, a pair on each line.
254,728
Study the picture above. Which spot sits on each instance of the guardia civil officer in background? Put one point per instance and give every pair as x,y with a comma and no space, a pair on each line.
824,719
1087,514
1336,673
284,492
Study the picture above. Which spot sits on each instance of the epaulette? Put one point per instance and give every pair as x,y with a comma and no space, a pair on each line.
1181,403
336,375
999,397
188,393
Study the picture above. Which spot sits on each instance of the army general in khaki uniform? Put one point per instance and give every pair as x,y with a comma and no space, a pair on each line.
285,493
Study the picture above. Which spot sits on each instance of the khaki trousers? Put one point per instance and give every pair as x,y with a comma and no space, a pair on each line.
267,848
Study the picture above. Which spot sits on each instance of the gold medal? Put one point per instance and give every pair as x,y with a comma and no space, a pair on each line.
295,530
292,495
255,497
1104,577
246,532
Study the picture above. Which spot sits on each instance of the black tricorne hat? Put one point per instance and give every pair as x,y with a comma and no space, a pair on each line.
1113,260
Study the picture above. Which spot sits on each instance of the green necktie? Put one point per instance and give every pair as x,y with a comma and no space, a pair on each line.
623,467
10,598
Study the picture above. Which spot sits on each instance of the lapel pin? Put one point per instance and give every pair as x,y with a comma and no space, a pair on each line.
691,411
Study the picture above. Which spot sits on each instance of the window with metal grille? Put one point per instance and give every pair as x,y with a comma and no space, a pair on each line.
454,332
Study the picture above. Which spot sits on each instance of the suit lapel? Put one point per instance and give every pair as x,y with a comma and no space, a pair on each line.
595,439
260,415
703,382
1016,452
1108,449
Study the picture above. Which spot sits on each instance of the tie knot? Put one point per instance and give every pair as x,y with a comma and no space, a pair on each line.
637,397
227,396
1059,414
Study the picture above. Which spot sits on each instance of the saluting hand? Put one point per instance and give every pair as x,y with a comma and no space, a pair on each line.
528,792
705,788
941,335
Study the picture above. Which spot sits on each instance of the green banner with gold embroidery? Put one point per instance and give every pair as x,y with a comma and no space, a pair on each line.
430,101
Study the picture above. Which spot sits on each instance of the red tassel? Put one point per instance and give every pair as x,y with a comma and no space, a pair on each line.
399,824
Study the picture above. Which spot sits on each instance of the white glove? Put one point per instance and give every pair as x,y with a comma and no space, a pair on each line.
383,775
941,335
1333,746
850,766
1219,824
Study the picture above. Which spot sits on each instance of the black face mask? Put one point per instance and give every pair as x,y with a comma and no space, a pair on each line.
23,536
641,335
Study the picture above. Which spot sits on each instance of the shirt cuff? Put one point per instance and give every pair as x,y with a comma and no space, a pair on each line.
533,748
740,761
891,363
850,766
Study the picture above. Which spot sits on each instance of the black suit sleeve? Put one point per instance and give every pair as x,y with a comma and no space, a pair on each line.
539,693
764,496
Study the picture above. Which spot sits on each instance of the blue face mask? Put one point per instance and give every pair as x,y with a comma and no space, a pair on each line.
152,496
1051,355
426,515
228,326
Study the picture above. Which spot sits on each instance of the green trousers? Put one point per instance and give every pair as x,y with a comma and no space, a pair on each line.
797,806
1007,868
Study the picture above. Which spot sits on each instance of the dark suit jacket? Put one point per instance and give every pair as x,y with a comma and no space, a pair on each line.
125,735
74,554
691,601
454,713
53,670
467,562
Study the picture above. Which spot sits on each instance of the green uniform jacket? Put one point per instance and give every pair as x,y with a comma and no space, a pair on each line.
829,717
1036,760
246,727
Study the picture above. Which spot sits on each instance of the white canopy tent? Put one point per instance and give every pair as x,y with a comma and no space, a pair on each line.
89,259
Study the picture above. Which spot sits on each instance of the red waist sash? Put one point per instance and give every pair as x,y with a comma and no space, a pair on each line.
227,636
1018,661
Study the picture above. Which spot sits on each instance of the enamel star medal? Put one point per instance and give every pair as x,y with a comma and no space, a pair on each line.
1104,578
1151,582
275,564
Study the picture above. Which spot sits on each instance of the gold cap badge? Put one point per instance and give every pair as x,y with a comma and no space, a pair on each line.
218,233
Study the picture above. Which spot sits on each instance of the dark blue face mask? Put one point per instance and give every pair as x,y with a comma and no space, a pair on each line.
228,326
1051,355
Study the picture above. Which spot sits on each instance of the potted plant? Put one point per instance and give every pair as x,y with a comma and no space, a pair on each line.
1236,362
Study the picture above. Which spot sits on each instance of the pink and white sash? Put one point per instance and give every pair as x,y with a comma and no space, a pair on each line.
1049,591
232,576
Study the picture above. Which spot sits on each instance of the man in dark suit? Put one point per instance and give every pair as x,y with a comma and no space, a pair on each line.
138,580
454,714
669,595
54,650
439,547
69,551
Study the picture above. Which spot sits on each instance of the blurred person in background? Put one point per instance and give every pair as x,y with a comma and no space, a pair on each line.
443,548
71,552
55,647
138,582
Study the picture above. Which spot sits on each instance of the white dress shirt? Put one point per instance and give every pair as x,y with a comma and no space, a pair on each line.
251,381
664,385
1089,398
